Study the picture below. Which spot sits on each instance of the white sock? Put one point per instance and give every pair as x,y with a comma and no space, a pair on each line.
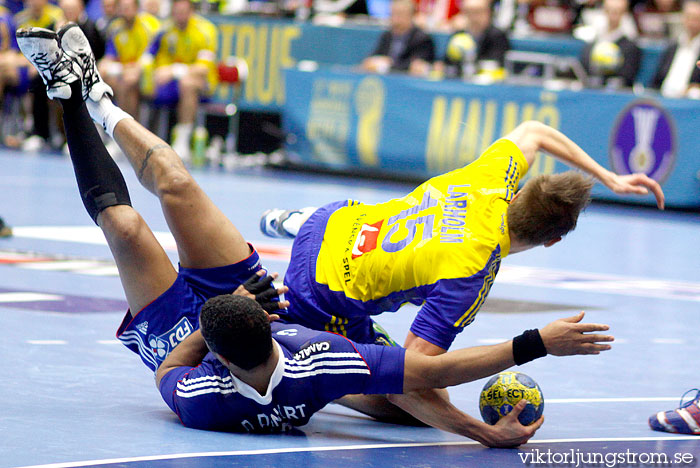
294,221
105,113
183,132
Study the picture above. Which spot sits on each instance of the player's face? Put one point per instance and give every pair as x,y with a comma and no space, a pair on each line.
36,6
401,17
71,9
182,11
128,9
109,7
691,18
614,11
478,15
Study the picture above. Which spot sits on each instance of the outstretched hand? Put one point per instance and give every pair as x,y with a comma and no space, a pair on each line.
508,432
259,287
639,184
568,336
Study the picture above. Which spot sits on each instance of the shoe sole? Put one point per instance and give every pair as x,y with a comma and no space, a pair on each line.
35,32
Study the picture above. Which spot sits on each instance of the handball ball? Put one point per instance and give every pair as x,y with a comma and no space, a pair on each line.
461,47
503,391
606,57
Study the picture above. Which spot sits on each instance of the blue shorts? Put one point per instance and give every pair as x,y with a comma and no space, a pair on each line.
168,94
306,307
160,326
23,84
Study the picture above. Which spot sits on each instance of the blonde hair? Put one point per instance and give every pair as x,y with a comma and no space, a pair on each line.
548,206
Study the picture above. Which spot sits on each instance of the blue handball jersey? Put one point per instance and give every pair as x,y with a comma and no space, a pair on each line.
314,369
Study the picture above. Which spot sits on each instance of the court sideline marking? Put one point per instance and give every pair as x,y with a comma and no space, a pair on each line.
176,456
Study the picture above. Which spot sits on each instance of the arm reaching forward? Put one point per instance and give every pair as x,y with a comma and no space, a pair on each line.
532,136
563,337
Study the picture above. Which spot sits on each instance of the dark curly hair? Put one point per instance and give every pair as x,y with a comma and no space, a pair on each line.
238,329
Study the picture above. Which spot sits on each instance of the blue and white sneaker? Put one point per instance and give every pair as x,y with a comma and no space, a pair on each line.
57,69
284,224
684,420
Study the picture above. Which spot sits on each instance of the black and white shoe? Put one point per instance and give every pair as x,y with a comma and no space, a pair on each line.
74,43
57,69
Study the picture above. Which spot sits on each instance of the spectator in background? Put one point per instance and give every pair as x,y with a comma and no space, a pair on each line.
14,6
129,38
74,12
40,14
404,47
676,70
109,14
154,7
622,60
490,42
180,68
658,19
14,71
595,20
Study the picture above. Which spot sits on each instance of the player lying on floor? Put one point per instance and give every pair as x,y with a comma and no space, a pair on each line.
252,381
239,372
440,247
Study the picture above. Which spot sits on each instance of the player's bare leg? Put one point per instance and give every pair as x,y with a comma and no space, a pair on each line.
144,268
191,87
205,237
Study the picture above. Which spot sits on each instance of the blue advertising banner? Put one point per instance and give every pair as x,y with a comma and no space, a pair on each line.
273,45
417,127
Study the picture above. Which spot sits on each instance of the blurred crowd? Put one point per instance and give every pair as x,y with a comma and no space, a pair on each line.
161,53
613,32
164,52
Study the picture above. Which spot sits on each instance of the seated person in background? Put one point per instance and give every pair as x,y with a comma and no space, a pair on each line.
593,21
14,72
129,37
154,8
405,47
612,56
74,12
658,19
676,70
39,14
180,68
109,14
490,43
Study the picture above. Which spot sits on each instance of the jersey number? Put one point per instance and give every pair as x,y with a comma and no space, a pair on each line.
411,225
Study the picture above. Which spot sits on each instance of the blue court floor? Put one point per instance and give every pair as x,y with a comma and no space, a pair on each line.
71,395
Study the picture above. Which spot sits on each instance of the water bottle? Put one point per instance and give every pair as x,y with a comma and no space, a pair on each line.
199,143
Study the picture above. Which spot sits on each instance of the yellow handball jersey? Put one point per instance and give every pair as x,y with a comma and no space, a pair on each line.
127,44
50,17
196,44
440,246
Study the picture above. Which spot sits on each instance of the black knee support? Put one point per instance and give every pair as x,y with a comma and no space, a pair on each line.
100,181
